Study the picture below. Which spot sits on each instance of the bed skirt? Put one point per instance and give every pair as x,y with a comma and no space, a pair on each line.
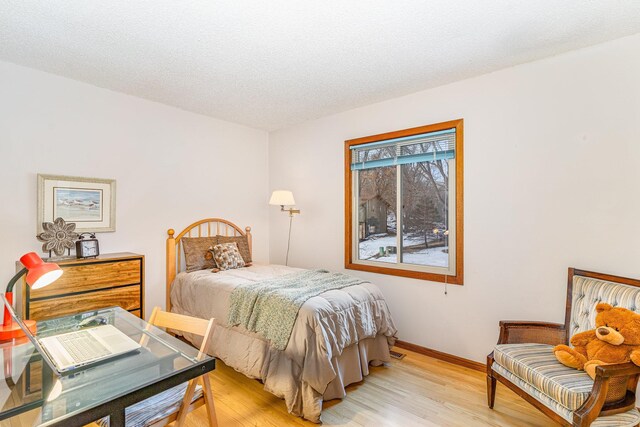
251,355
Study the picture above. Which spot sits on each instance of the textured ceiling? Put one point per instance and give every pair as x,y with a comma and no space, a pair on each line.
271,64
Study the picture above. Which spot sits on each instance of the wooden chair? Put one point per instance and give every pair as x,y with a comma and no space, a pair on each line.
524,361
169,406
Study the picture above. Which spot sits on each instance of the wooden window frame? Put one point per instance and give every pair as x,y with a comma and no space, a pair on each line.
349,249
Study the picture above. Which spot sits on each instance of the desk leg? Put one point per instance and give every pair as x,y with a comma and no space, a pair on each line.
116,418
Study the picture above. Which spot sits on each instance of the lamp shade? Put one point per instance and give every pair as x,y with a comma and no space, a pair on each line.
40,273
282,198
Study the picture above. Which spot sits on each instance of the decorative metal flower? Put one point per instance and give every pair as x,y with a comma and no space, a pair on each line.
58,236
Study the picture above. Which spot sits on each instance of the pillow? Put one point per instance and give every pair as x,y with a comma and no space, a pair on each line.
243,246
196,252
227,256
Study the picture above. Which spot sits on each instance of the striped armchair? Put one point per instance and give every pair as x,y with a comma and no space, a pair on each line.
523,359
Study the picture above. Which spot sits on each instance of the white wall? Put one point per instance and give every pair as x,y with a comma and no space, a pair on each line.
552,168
172,167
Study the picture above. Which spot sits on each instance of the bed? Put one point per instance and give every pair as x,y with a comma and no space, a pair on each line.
335,336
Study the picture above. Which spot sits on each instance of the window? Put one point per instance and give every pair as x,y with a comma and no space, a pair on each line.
403,196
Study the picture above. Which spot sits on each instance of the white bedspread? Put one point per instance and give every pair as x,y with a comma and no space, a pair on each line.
326,325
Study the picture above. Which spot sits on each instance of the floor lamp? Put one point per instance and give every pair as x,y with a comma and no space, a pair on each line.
285,198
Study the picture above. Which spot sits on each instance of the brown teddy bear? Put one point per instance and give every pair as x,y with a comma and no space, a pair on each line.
616,339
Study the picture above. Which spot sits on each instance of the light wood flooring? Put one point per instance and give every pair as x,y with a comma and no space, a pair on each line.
414,391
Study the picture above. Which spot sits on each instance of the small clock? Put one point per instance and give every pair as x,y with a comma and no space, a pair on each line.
87,247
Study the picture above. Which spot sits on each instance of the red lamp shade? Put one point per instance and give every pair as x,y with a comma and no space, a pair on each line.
40,273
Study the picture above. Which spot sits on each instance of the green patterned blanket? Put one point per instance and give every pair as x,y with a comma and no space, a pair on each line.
270,307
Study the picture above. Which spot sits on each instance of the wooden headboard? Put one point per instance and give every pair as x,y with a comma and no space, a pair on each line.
204,228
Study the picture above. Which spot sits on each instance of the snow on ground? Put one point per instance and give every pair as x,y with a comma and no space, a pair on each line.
430,256
371,246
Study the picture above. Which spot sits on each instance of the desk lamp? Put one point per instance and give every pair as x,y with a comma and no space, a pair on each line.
39,275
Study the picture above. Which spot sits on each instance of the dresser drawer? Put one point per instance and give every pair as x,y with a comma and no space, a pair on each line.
127,297
80,278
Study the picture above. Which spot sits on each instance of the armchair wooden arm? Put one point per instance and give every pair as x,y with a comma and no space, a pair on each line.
608,371
613,392
514,332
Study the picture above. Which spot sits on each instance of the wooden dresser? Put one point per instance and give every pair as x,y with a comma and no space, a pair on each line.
89,284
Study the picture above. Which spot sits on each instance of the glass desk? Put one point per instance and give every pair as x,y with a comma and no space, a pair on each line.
32,394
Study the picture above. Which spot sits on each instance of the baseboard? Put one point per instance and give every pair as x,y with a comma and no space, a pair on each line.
446,357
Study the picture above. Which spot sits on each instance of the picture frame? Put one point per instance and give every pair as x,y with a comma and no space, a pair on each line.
90,203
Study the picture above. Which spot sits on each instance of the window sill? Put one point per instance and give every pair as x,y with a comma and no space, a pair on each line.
433,277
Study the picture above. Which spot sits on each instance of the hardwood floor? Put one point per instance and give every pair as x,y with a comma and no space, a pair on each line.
414,391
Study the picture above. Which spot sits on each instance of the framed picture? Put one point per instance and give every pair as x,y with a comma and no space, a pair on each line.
88,202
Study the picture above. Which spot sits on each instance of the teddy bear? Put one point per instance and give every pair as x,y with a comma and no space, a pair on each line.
616,339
